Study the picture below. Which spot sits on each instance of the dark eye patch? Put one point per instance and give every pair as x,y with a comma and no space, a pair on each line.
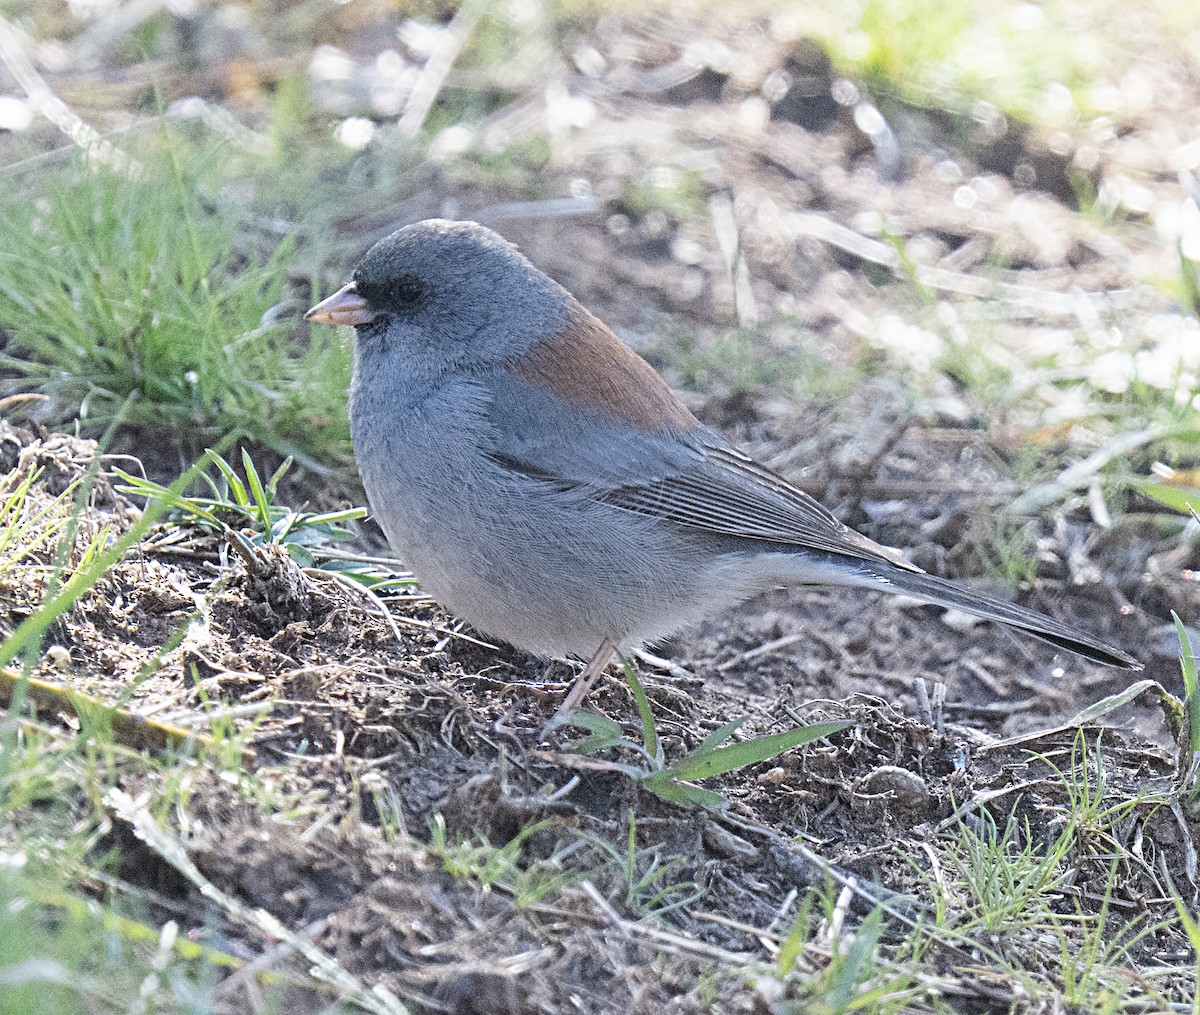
401,294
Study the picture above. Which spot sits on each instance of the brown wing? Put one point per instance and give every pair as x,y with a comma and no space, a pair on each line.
674,468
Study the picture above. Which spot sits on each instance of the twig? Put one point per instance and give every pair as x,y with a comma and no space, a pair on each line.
766,648
1066,304
128,728
730,243
556,207
433,76
43,99
1080,474
359,588
220,121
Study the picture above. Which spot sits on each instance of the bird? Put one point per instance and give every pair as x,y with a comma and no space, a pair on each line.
544,483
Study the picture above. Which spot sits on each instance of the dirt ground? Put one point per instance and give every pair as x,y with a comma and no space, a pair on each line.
369,733
374,734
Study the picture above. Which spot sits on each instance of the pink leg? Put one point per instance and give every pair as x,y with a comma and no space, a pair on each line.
584,682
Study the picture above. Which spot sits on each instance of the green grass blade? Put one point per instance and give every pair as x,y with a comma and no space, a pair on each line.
237,488
701,765
604,733
666,786
261,500
649,729
1191,681
135,486
718,736
1114,701
277,475
1177,498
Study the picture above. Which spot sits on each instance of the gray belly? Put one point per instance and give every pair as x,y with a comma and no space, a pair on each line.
546,570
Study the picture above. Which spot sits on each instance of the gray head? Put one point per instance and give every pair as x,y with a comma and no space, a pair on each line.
444,296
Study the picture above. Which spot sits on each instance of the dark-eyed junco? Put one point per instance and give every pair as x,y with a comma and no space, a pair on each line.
544,484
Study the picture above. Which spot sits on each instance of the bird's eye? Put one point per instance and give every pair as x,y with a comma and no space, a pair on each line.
400,295
406,292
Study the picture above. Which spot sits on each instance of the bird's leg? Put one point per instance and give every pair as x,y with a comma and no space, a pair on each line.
584,682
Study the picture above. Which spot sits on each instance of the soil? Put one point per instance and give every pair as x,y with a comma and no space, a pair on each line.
375,735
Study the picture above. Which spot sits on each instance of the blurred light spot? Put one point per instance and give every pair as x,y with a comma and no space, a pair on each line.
786,25
869,223
868,119
965,197
15,113
708,53
1058,98
987,188
754,113
664,177
949,171
421,39
1112,372
1103,128
1060,142
390,63
1028,17
694,285
776,85
450,142
856,46
1137,91
845,93
566,110
393,82
618,225
924,249
993,122
330,64
233,16
1087,157
1106,97
524,13
685,250
53,56
914,346
1138,199
1189,230
84,9
355,132
589,61
655,224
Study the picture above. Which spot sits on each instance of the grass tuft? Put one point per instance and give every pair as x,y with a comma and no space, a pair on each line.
153,288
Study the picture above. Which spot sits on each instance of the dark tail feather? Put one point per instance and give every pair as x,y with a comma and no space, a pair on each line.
940,592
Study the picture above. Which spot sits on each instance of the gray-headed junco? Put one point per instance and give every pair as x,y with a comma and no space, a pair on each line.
544,484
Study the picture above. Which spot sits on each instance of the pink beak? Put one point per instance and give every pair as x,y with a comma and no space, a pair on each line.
344,307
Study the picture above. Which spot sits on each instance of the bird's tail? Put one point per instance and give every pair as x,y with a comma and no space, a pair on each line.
940,592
